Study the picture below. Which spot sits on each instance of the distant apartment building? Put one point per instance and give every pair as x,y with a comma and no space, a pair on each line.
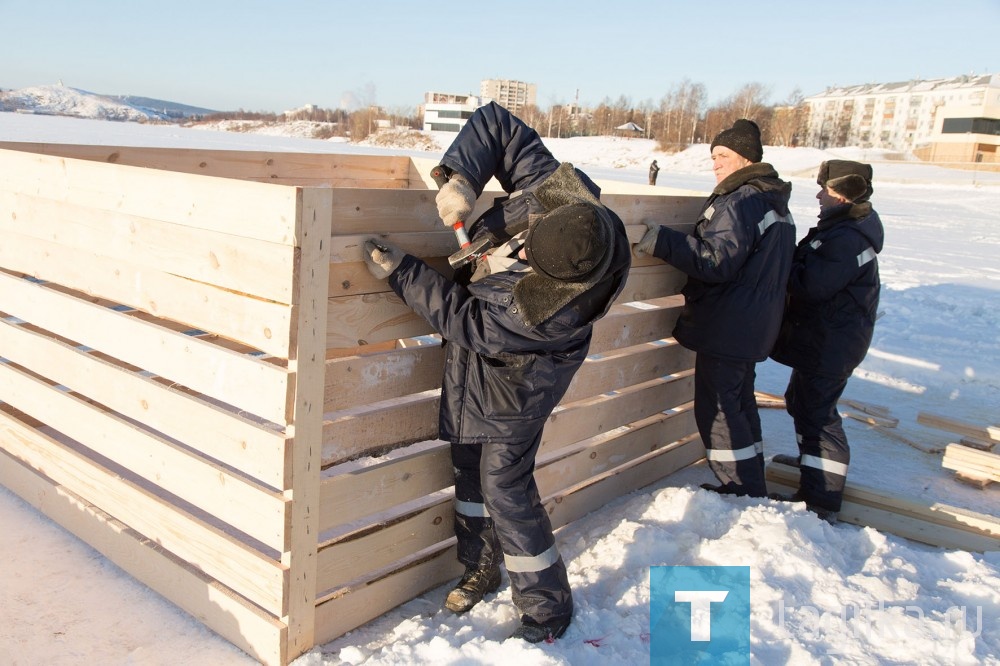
447,112
955,119
514,96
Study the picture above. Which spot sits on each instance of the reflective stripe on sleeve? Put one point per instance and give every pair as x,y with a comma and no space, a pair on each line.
865,257
530,563
831,466
772,218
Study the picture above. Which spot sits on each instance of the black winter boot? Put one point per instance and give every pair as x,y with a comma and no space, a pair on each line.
475,584
535,632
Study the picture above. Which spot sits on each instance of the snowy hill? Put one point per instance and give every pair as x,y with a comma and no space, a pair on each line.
58,100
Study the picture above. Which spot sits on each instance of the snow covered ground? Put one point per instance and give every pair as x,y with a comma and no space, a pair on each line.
820,593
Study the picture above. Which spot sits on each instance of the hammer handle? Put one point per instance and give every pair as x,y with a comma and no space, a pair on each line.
439,176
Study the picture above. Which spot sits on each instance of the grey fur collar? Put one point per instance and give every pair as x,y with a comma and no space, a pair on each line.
743,176
539,297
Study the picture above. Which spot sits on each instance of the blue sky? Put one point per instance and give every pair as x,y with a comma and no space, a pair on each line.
279,55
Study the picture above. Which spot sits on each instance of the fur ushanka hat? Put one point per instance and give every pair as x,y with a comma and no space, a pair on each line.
742,138
851,180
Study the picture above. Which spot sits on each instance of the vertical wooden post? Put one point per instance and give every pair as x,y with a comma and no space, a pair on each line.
307,361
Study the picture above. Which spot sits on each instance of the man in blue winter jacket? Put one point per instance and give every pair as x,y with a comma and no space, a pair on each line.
833,295
516,325
737,261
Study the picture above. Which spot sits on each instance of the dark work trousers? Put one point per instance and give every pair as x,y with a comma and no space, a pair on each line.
729,424
497,503
824,456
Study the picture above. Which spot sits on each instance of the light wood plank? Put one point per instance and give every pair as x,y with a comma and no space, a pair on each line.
372,433
225,436
244,382
259,324
576,502
349,609
253,210
354,491
249,508
270,166
354,381
307,364
363,380
986,432
237,566
352,435
208,601
373,318
211,257
931,523
588,418
358,554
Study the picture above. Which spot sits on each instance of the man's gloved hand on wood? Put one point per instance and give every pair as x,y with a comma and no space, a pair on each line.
648,242
381,257
455,200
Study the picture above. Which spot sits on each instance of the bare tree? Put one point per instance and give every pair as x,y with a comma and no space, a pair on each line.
788,122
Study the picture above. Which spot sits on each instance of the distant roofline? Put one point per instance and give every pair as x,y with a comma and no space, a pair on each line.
961,81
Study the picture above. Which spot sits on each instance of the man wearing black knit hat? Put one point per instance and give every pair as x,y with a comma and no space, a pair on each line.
517,325
737,261
833,294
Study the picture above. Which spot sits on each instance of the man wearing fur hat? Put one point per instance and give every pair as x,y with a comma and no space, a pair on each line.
516,326
737,260
833,294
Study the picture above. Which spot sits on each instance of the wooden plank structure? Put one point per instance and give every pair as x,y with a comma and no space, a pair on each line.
199,378
931,523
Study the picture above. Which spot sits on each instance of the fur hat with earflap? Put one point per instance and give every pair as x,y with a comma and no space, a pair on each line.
851,180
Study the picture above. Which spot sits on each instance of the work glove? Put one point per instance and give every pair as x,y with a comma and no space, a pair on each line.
648,242
381,257
455,200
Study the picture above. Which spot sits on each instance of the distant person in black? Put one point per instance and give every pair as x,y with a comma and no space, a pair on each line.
653,171
833,294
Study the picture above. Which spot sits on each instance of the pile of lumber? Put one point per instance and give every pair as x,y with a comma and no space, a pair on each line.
971,458
934,523
972,466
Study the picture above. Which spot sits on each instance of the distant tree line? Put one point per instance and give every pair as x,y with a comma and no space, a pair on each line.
682,117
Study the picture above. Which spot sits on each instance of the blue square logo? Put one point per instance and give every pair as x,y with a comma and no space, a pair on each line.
699,615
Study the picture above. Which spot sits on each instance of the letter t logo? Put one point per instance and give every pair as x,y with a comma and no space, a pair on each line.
701,610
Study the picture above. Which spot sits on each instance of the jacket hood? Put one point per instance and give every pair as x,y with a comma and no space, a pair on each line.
865,220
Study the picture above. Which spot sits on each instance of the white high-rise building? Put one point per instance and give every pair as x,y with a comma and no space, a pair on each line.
910,116
512,95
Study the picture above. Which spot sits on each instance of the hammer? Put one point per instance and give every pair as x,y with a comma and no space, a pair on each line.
469,250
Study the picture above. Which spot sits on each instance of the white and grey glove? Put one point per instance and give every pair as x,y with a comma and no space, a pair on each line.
648,242
455,200
381,257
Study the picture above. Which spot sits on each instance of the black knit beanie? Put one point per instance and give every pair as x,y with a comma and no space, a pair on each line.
851,180
742,138
568,244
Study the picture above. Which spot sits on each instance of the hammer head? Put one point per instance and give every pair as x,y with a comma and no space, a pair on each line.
473,250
